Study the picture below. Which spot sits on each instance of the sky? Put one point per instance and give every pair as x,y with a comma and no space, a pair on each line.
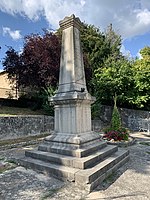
130,19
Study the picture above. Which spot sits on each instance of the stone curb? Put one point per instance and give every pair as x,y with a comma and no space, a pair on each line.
124,143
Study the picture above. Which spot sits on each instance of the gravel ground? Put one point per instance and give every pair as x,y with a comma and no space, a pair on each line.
130,182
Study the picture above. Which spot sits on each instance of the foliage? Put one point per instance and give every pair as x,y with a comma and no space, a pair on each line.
41,59
98,47
116,131
95,110
115,120
116,77
107,71
116,135
93,44
12,64
38,65
45,94
141,68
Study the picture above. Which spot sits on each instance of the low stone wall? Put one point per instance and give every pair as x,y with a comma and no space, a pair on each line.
20,126
135,120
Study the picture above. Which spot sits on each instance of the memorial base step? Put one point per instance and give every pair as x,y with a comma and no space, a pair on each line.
87,172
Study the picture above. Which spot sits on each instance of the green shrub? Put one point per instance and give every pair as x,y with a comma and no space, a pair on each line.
116,131
46,93
115,120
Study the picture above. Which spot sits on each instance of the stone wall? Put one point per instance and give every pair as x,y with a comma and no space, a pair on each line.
135,120
20,126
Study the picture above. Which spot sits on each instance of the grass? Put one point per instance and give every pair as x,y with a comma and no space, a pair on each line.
8,111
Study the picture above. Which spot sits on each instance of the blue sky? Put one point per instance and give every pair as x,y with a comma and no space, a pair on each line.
19,18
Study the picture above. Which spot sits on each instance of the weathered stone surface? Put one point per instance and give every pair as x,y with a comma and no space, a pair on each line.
70,161
72,100
18,126
72,76
88,176
135,120
73,151
24,184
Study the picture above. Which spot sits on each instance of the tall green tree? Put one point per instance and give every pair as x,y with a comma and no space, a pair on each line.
107,71
141,67
98,47
116,77
114,42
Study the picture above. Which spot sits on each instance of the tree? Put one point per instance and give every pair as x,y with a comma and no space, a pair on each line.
114,42
38,64
12,64
98,47
116,77
41,56
115,120
141,67
129,79
107,71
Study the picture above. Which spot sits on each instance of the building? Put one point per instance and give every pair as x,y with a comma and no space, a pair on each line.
7,89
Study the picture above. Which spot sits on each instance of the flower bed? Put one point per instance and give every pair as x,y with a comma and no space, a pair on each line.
126,143
117,135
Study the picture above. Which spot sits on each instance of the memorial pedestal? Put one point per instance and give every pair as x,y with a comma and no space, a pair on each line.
73,151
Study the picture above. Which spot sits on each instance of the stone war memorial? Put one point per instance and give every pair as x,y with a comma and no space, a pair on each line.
73,151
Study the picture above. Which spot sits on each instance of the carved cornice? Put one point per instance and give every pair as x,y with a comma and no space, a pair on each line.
70,21
71,101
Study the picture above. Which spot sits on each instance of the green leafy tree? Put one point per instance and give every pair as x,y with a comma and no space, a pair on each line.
141,68
116,77
98,47
114,42
107,71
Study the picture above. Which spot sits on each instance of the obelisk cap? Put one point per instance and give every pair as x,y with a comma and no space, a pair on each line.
70,21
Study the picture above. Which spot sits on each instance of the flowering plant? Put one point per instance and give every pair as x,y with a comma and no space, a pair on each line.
116,135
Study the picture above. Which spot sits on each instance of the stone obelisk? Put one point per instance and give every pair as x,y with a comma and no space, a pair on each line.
73,151
72,101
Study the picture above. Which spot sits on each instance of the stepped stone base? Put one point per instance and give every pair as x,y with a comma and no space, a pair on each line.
87,164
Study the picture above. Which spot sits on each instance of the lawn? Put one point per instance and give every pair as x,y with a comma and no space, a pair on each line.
6,111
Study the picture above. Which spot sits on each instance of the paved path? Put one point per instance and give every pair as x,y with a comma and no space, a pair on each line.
132,181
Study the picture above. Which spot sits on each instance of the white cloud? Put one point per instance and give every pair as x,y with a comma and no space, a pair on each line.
15,35
125,52
130,18
144,17
139,55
